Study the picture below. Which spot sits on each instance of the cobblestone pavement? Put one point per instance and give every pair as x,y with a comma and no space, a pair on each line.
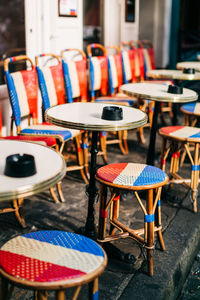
42,213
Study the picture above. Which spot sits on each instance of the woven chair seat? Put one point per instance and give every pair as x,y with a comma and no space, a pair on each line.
50,130
132,175
50,257
183,133
48,141
191,108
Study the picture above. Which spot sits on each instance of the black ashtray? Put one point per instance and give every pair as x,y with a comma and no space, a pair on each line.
20,165
112,113
175,89
189,71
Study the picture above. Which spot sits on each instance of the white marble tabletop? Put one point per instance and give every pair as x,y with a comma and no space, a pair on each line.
172,74
157,92
87,116
50,167
189,64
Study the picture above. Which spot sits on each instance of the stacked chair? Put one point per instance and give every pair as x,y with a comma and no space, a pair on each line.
51,83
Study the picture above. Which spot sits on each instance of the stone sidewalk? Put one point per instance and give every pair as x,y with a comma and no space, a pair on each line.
181,229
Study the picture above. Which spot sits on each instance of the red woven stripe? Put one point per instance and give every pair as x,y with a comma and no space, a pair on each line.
152,57
141,62
49,141
81,67
104,74
103,213
31,87
118,63
170,129
56,72
111,171
34,269
131,54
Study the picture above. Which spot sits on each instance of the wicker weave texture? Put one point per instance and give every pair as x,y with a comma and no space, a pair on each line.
47,256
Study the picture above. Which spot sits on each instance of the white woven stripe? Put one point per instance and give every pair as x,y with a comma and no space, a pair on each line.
127,66
70,258
197,108
130,174
74,79
147,60
21,93
185,132
97,73
137,66
50,86
74,132
113,71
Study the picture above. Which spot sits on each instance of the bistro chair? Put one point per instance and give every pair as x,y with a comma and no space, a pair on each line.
17,204
134,177
175,140
51,260
51,83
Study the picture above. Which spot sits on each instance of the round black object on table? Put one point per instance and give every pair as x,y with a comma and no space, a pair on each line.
189,71
20,165
175,89
112,113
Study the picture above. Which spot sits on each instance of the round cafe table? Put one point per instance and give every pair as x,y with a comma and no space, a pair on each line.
188,64
50,169
158,93
172,75
87,116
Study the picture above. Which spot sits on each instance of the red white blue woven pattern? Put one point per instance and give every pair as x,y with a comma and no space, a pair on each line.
131,174
193,107
181,132
46,256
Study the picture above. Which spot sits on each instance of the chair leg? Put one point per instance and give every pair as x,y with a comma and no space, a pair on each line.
140,134
85,152
53,195
17,204
195,177
80,158
120,138
94,289
60,295
59,191
103,147
158,223
150,232
41,295
102,212
125,135
114,213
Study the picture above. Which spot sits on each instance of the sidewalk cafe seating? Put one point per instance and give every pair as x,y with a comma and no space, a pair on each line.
134,177
175,140
51,260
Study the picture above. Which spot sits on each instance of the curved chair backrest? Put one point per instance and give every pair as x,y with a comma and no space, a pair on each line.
75,74
98,70
139,55
51,81
115,70
130,62
149,57
23,90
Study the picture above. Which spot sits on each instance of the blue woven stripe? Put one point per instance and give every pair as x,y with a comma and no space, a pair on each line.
95,296
145,68
189,107
195,168
149,218
13,98
123,68
64,134
196,135
91,67
67,240
112,90
150,175
130,102
67,80
43,88
84,146
159,203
